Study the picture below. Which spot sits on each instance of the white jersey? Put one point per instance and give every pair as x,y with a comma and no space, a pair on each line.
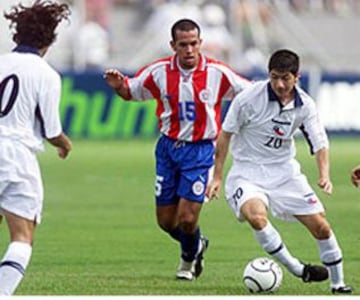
264,130
29,99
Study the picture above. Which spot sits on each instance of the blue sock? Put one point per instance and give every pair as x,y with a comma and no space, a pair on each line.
189,245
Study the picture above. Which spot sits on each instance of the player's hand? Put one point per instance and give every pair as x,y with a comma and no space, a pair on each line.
326,185
114,78
213,189
63,153
355,176
65,148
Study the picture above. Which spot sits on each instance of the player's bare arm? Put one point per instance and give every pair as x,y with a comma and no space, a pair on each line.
116,80
63,145
355,176
222,147
323,163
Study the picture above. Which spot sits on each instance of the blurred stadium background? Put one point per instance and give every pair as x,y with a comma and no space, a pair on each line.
127,34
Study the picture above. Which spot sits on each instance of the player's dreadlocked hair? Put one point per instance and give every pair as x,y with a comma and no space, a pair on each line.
35,25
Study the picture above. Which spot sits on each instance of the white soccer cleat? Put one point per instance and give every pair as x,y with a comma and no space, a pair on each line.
186,270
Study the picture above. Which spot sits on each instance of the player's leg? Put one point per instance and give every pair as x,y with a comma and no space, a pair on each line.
165,189
166,216
18,253
180,221
195,160
193,244
330,251
250,203
188,215
300,201
21,205
255,212
179,217
190,239
167,200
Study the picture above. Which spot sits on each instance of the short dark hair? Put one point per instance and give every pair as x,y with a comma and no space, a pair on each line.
184,25
284,60
35,25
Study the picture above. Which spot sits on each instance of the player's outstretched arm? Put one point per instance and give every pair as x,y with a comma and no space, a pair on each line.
355,176
63,145
222,146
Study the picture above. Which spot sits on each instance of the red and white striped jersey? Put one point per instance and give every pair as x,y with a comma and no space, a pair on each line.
188,102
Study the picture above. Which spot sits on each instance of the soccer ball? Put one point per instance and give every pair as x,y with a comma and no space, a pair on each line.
262,275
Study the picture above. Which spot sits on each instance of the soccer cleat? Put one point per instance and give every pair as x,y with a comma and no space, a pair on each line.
314,273
199,261
186,270
342,290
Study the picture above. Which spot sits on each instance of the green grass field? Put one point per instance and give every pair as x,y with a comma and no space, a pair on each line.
99,235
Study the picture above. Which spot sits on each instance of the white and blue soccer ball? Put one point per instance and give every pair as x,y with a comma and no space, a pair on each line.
262,275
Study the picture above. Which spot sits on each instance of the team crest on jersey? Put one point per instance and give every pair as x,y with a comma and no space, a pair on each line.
198,188
278,130
205,95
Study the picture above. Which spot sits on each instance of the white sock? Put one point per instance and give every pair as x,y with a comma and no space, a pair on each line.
331,257
270,240
13,265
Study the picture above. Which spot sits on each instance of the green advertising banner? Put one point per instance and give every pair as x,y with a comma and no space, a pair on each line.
90,109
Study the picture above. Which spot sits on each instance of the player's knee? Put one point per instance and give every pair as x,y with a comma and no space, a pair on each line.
187,223
323,230
257,221
166,224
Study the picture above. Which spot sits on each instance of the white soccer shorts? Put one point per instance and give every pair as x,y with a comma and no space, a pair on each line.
282,187
21,188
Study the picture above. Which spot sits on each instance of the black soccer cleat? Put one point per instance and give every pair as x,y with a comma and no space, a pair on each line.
314,273
342,290
199,263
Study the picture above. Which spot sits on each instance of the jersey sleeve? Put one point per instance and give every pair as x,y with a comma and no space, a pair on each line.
313,129
48,106
137,89
142,85
237,83
237,114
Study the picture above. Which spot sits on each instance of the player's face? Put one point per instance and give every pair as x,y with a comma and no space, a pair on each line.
283,84
187,47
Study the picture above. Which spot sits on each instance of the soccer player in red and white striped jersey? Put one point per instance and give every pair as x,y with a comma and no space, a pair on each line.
189,89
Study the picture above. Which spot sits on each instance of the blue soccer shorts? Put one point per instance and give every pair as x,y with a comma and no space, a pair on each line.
182,170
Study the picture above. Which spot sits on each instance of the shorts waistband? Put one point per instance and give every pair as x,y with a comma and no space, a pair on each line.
181,143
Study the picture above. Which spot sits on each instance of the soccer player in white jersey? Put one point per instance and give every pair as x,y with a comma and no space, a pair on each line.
29,113
259,128
189,88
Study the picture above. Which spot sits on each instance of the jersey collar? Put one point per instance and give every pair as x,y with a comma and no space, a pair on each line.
273,97
26,49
